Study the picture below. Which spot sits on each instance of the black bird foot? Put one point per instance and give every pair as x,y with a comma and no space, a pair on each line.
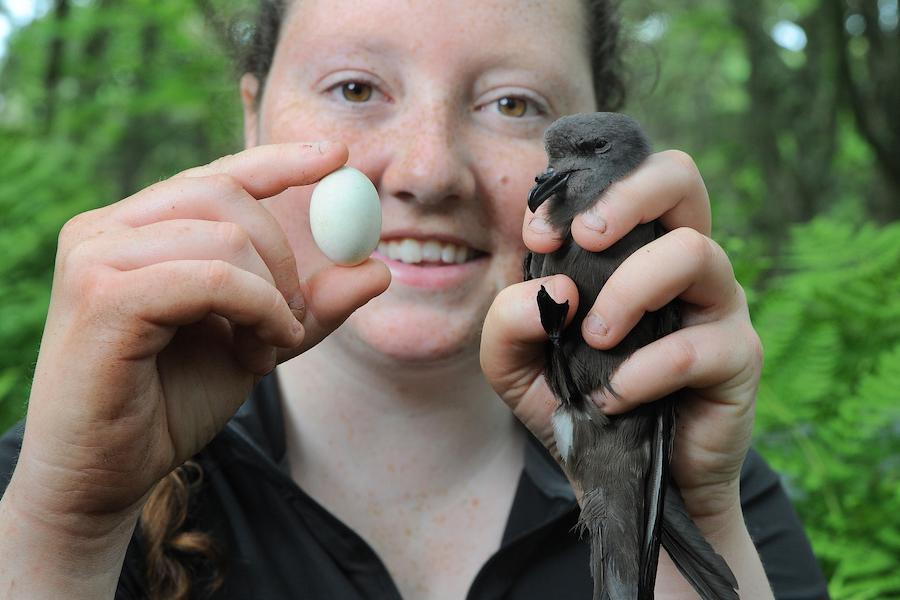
553,315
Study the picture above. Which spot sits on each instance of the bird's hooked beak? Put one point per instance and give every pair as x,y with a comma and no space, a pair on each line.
548,183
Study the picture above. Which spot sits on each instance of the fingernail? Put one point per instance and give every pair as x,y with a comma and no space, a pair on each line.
324,146
593,221
539,225
297,329
594,325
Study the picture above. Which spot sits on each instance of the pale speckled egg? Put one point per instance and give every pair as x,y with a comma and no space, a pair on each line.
345,216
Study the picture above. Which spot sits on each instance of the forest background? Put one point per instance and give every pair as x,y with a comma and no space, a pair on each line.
791,109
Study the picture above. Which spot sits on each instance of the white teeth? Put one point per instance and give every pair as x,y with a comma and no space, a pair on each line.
431,251
448,253
413,251
410,251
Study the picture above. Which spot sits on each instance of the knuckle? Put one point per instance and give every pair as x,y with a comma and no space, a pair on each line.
191,172
233,237
683,355
685,162
755,349
75,229
226,185
747,357
740,296
71,227
222,160
697,246
76,259
218,273
97,291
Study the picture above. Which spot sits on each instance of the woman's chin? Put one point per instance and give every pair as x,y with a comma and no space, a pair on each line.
417,336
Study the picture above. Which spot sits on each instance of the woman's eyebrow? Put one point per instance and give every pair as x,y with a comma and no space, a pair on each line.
353,43
558,88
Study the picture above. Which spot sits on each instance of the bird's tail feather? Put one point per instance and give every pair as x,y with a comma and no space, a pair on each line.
593,512
613,565
695,558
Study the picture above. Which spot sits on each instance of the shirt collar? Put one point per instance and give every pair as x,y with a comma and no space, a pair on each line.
545,472
260,423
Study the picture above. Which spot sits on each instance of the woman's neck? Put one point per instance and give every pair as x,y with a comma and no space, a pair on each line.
423,463
394,435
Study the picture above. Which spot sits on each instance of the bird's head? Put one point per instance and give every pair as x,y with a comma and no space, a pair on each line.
587,153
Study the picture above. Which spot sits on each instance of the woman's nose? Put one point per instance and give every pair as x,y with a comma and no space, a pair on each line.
430,164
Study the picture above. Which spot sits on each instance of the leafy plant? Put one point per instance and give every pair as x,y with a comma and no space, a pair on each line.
829,402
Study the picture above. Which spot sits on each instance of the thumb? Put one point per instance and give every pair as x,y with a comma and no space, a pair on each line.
332,294
513,348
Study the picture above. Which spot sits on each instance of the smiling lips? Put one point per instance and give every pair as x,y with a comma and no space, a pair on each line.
426,253
431,264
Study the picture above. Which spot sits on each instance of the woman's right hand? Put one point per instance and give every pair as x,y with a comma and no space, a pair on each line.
167,307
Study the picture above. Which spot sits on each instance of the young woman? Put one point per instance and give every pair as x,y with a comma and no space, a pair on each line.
380,463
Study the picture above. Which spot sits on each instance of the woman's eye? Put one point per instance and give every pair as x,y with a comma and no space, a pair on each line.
512,106
354,91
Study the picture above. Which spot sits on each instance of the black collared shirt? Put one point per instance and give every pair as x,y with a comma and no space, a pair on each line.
281,543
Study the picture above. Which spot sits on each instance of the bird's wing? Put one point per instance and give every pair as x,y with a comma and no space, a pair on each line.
698,562
654,494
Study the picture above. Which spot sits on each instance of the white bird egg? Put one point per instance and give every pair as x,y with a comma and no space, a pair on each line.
345,216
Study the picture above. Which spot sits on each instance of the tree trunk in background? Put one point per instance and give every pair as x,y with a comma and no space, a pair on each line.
791,127
134,144
55,61
875,97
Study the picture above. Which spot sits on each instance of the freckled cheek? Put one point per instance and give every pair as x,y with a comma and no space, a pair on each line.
301,120
509,184
296,126
367,149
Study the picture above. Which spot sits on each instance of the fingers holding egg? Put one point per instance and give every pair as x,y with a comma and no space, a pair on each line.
345,216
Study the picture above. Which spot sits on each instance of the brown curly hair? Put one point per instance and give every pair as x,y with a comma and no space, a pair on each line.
168,546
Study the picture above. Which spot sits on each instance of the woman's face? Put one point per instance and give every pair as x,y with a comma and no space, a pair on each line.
443,105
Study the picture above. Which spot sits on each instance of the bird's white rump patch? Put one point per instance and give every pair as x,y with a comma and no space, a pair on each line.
563,426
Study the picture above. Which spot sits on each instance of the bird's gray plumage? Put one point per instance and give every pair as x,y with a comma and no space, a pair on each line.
621,462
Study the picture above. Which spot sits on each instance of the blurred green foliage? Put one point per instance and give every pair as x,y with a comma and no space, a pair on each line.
828,416
798,145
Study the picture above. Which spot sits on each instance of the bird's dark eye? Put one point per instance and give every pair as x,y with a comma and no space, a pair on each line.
593,146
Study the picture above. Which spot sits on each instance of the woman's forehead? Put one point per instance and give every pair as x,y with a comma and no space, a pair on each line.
526,28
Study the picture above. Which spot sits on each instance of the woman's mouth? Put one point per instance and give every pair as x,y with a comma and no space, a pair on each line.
429,263
426,253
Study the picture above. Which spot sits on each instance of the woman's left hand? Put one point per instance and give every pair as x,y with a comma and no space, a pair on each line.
715,359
